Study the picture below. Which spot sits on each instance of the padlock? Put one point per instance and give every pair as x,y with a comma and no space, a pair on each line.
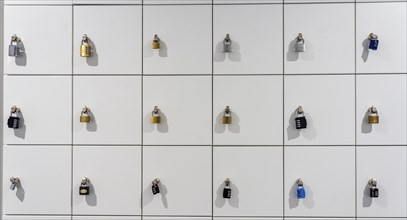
14,121
156,42
300,189
227,191
373,117
14,49
300,120
299,43
155,117
373,41
86,49
227,44
154,186
84,187
227,116
14,182
374,191
85,117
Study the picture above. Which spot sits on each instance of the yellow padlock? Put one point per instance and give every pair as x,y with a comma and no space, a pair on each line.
227,116
156,42
85,47
373,117
85,118
155,117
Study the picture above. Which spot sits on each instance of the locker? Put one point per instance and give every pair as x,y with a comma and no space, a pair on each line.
47,43
44,173
185,180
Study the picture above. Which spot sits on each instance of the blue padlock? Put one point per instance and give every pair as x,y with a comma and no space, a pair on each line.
300,189
373,41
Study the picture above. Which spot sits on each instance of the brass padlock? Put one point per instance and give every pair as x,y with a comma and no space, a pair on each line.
156,42
85,47
227,116
85,118
155,117
373,115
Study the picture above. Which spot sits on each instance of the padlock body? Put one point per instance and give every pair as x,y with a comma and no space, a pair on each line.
374,192
227,193
155,119
227,47
13,51
227,119
300,192
373,119
300,46
13,186
300,122
13,122
85,50
156,45
84,190
155,189
84,118
373,44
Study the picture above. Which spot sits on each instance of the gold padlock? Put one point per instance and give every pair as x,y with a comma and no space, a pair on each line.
85,118
85,47
156,42
373,117
227,116
155,117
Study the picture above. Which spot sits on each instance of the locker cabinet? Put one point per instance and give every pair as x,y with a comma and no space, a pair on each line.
255,121
45,104
185,105
185,180
388,22
46,43
44,173
115,187
256,45
254,192
115,39
328,174
329,106
185,33
329,41
115,110
391,104
373,162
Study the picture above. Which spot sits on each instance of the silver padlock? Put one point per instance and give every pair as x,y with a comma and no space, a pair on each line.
299,43
14,182
227,44
13,49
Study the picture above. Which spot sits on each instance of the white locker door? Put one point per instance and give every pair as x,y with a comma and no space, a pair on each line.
45,176
114,34
256,181
185,180
45,104
46,39
114,174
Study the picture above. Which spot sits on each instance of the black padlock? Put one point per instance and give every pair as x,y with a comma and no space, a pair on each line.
155,189
14,121
300,120
154,186
84,189
374,192
227,191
